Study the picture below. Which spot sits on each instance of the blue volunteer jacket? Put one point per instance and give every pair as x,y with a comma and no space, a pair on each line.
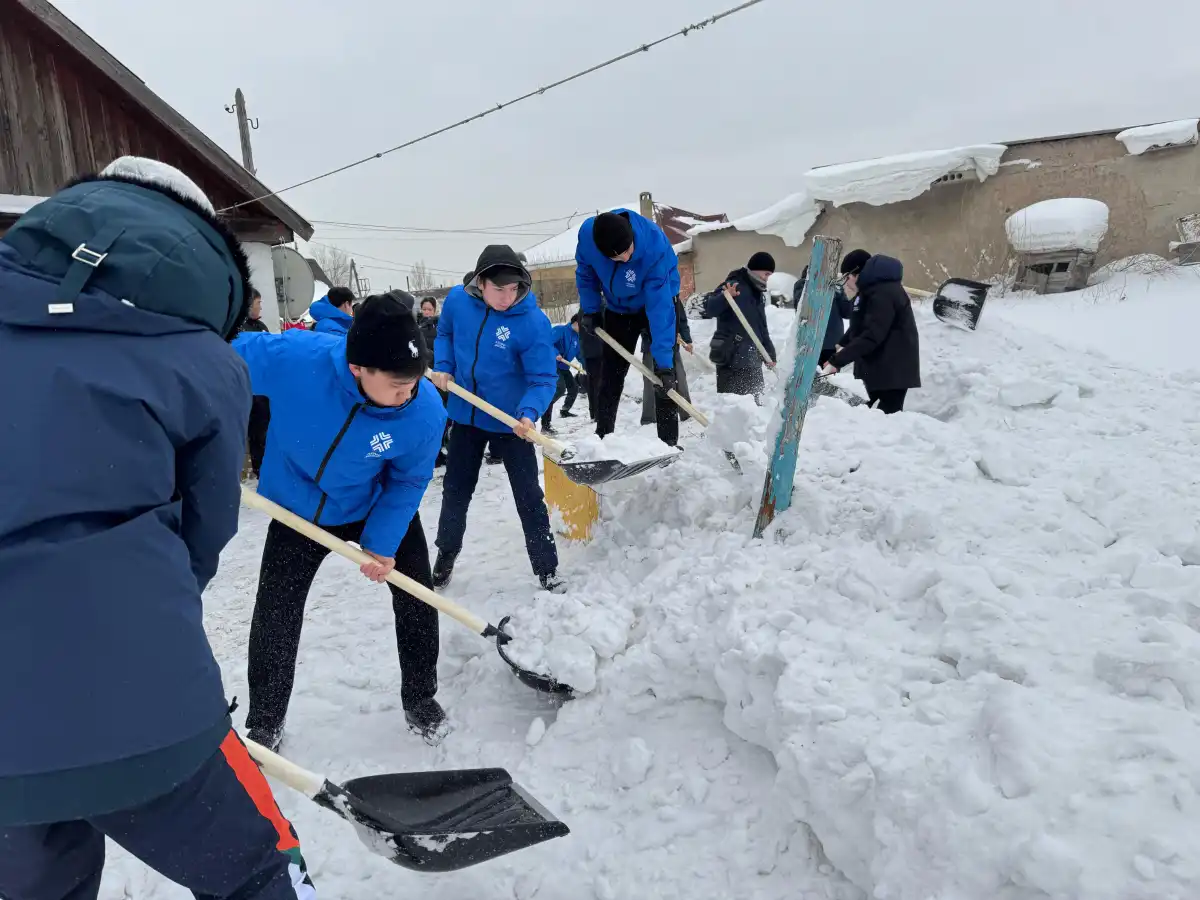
507,358
123,442
332,457
650,281
329,319
566,344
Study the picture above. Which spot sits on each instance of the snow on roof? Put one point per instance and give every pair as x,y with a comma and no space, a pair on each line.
1179,133
18,204
1068,223
560,249
889,179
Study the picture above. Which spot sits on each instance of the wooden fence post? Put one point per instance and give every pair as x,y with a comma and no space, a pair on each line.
811,319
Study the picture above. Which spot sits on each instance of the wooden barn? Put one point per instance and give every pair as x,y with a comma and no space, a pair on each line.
68,107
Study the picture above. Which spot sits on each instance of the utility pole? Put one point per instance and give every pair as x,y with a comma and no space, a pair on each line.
244,126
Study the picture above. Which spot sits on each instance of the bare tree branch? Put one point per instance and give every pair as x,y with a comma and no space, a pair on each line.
335,263
421,278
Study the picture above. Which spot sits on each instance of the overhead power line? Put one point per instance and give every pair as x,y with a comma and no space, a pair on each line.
386,262
479,229
644,48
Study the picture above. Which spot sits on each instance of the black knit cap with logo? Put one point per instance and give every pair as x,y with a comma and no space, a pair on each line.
385,335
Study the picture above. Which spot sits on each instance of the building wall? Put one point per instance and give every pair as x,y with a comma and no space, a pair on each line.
957,228
262,276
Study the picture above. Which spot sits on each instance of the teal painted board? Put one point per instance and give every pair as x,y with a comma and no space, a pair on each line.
812,317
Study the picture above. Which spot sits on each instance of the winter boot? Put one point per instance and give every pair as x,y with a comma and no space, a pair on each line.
428,719
270,738
443,569
565,414
554,583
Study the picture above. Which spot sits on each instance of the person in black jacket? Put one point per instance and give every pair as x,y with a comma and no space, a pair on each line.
428,322
592,348
739,364
260,410
842,309
882,340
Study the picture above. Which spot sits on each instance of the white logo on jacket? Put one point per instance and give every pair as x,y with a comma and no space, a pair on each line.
630,277
380,444
502,336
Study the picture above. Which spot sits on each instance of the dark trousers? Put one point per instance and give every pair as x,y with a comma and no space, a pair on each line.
219,834
747,382
289,565
256,433
566,385
594,366
458,486
888,401
625,330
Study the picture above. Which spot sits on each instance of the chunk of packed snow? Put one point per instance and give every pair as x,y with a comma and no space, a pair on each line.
628,447
893,179
781,284
1179,133
1067,223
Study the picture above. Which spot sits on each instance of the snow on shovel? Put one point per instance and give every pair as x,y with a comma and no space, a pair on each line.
427,821
586,472
545,683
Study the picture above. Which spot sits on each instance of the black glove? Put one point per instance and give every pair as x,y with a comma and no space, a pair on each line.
588,323
667,377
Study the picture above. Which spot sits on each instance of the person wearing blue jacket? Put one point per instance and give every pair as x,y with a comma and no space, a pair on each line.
124,438
354,433
566,346
334,313
495,342
627,276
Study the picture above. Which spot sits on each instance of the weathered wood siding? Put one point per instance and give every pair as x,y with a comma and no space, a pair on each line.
59,120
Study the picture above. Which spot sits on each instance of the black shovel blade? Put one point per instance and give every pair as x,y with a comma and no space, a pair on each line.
959,302
444,821
602,471
547,684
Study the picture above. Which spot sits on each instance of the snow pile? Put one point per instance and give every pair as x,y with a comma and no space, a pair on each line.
1068,223
628,447
878,182
782,284
1180,133
18,204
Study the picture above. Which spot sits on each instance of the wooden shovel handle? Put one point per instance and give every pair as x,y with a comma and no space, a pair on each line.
737,311
307,783
536,436
651,377
341,548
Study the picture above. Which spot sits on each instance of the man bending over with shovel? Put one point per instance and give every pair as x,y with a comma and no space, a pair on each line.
495,342
354,433
627,276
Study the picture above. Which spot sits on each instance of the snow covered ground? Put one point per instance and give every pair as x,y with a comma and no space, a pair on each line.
962,666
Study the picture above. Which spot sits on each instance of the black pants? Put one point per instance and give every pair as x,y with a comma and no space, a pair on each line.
566,385
747,382
595,367
256,433
888,401
625,330
289,565
458,486
219,834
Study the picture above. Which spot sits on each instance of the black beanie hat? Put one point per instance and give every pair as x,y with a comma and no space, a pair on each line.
385,335
761,262
853,262
612,234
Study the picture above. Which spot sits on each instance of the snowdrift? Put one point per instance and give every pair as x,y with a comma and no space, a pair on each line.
971,644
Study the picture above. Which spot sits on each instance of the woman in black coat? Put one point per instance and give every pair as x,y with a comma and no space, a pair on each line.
882,340
739,364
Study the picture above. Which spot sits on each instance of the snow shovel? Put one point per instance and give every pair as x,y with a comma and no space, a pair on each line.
741,316
823,387
544,683
427,821
959,302
589,473
653,379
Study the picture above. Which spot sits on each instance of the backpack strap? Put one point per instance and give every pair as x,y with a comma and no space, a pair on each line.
87,259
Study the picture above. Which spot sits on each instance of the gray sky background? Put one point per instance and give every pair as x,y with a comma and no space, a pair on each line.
724,120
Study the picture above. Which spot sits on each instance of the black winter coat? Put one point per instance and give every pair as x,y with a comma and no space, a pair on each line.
428,326
753,302
682,329
882,340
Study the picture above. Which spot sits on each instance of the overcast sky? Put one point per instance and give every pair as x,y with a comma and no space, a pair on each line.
724,120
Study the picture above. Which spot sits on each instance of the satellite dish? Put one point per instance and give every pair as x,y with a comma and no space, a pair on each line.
293,283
